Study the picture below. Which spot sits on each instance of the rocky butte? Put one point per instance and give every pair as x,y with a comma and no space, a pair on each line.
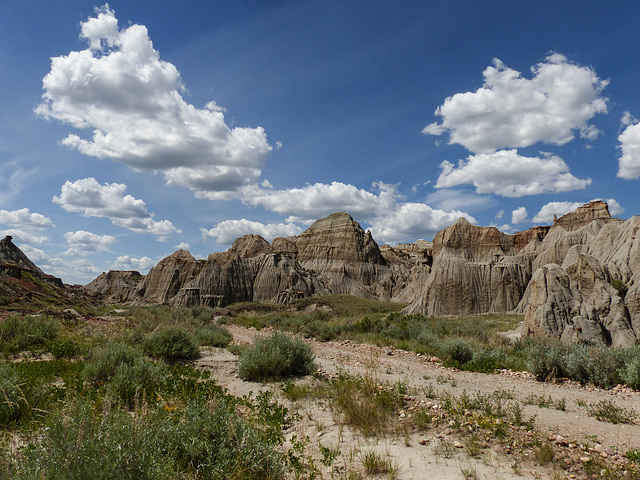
577,280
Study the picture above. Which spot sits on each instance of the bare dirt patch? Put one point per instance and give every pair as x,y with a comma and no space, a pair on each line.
580,445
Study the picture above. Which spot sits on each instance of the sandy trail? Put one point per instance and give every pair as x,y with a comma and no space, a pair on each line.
428,461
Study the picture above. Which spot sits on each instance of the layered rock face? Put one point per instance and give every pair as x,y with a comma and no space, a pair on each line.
116,286
475,270
345,257
164,281
334,255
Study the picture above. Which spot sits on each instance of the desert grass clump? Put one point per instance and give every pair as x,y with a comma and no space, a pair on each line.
376,464
202,441
274,357
213,335
13,404
172,344
607,411
365,403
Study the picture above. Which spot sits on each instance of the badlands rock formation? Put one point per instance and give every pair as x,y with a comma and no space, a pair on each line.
577,280
13,262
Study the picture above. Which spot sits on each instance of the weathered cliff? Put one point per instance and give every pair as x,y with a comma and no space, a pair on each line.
116,286
165,280
475,270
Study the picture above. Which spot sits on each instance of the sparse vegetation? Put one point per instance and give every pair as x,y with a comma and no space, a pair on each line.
607,411
122,387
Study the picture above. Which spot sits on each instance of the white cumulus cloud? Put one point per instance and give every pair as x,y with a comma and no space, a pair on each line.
125,262
546,213
629,161
132,102
519,215
226,232
91,199
23,218
509,174
319,200
86,243
510,111
410,221
390,218
20,236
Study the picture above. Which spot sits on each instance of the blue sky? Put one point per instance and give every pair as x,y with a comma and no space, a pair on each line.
131,129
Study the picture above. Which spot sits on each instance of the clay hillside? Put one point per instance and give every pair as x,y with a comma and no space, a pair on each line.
577,280
24,286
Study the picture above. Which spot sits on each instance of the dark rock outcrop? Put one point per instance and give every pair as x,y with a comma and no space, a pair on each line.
13,262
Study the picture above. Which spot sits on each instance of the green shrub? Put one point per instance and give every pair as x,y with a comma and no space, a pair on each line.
141,379
65,348
595,364
172,344
124,372
458,350
19,333
214,335
105,361
276,356
546,361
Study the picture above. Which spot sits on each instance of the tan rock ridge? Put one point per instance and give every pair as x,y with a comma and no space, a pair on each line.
578,280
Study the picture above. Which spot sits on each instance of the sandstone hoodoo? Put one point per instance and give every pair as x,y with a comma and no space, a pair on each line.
577,280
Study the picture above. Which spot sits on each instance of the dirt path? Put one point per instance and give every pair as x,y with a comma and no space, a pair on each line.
431,460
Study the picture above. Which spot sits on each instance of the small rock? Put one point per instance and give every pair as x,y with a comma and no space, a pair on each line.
598,448
457,444
423,441
585,459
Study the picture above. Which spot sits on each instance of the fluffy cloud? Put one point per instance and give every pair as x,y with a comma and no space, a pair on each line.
36,255
391,220
126,262
319,200
24,237
614,207
79,270
226,232
92,199
86,243
509,174
510,111
519,215
409,221
132,101
546,213
23,218
629,162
